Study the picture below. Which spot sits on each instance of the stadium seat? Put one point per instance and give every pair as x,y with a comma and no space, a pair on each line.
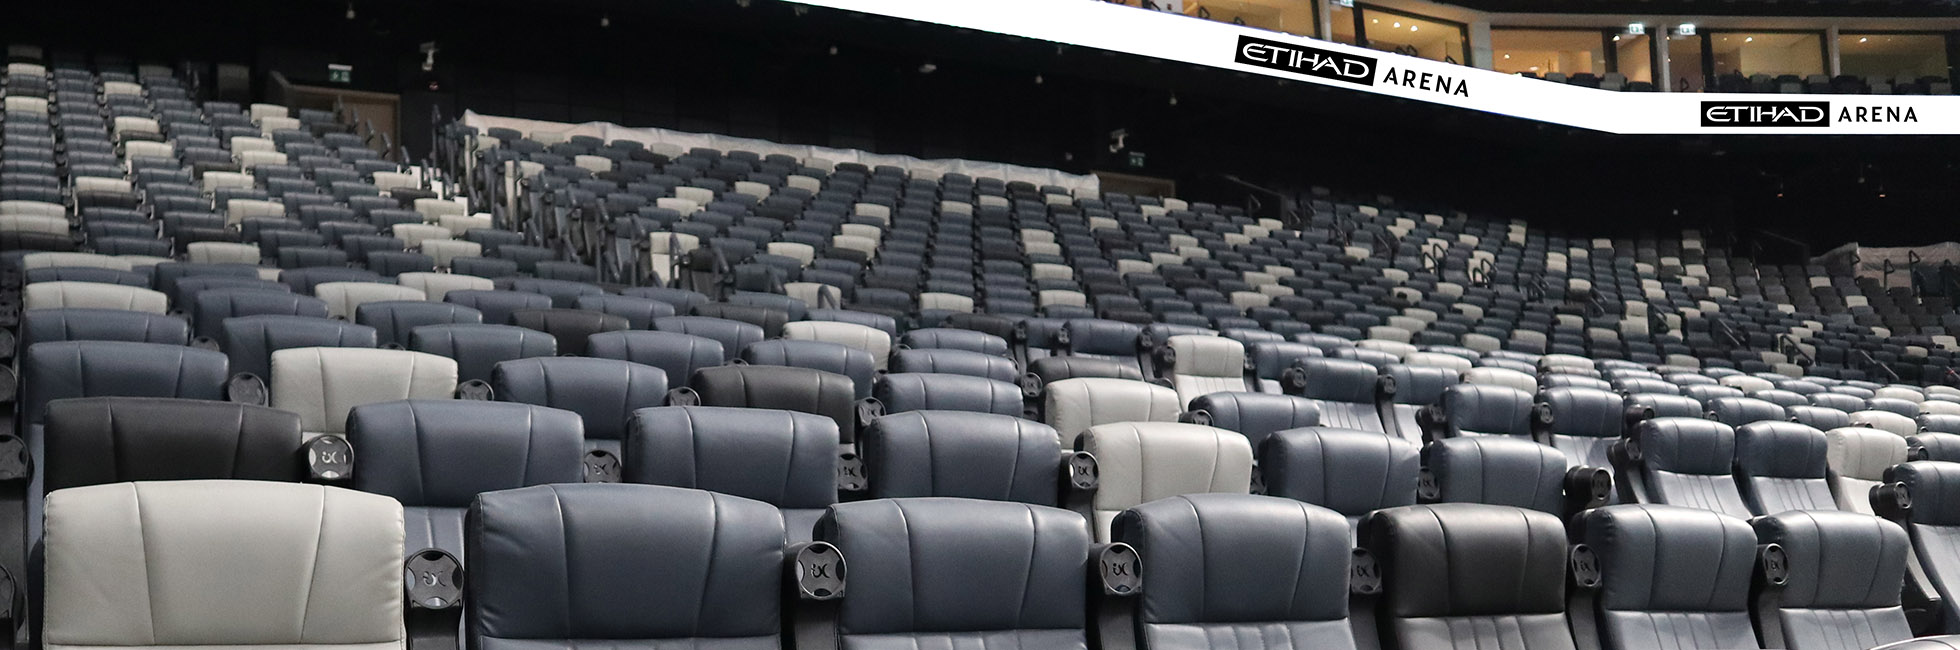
1504,471
802,390
903,391
323,384
1440,567
1141,462
1843,577
1668,577
1348,471
603,392
1783,466
1072,406
1345,392
1254,415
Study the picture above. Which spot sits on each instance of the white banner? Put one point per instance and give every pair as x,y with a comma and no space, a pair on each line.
1118,28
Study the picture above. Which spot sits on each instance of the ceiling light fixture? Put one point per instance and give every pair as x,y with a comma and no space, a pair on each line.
1750,39
1861,40
1412,28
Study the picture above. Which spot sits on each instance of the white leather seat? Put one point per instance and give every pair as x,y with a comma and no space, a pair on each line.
872,340
952,302
54,259
343,297
413,234
433,210
445,251
1907,393
462,223
1202,365
1858,458
93,295
242,565
1072,406
436,285
323,384
1887,421
1502,377
1140,462
238,210
1747,383
221,252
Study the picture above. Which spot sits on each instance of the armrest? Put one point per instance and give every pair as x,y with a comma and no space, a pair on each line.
683,396
1080,478
1767,582
601,466
850,470
817,571
435,597
329,459
205,343
868,409
1587,487
247,388
476,389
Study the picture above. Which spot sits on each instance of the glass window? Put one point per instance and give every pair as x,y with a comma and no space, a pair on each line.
1426,38
1540,51
1892,55
1684,63
1290,16
1771,53
1634,56
1343,19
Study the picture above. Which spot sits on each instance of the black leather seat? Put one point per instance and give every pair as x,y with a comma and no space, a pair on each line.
1497,470
394,321
792,389
1670,577
733,335
570,326
783,458
1845,572
1345,391
956,362
1271,360
1686,462
96,440
720,591
1469,575
1263,572
991,572
1667,405
961,454
603,392
1348,471
564,294
770,321
435,456
816,355
249,341
1257,415
679,355
905,391
478,347
497,306
1783,466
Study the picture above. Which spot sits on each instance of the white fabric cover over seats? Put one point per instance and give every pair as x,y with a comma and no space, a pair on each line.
1074,405
93,295
345,297
233,564
869,339
1140,462
1202,365
323,384
1858,458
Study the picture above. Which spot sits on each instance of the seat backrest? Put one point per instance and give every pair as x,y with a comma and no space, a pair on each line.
869,339
1896,424
1584,423
129,565
92,295
51,325
960,454
1255,415
64,369
1784,466
922,391
1845,572
96,440
1738,411
212,307
1139,462
477,348
1000,572
1348,471
1202,365
676,354
958,362
1485,410
250,340
1105,339
719,591
817,355
792,389
323,384
1690,462
395,321
1494,376
1211,559
435,456
783,458
1073,405
571,327
603,392
1858,458
1469,575
944,338
1270,361
733,335
343,298
1671,577
1405,391
1497,470
1345,390
497,306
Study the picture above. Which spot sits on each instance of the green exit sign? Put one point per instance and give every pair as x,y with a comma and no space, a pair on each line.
1136,159
340,74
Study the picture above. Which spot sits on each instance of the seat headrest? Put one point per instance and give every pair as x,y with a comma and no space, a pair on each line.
1588,412
63,369
1487,409
967,542
783,458
1490,375
604,392
1935,490
442,453
676,353
1207,356
1072,405
1668,406
1271,359
1645,385
1688,446
1938,445
1782,398
1351,472
1467,559
724,585
1256,415
1906,408
49,325
1862,453
96,440
954,339
1568,380
1420,385
1781,450
1497,470
906,391
793,389
1103,337
961,454
957,362
308,566
1839,401
1670,558
832,357
1209,559
1837,560
1054,369
1340,380
733,335
1888,421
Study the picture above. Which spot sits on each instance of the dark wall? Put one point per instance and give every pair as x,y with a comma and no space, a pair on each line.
811,76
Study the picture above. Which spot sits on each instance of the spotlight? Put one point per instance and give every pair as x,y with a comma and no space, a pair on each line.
1412,28
1750,39
605,21
1861,40
350,11
928,68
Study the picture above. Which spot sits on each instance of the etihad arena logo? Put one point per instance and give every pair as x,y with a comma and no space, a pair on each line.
1766,114
1300,59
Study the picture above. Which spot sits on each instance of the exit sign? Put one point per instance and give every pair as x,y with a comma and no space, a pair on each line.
1136,159
340,74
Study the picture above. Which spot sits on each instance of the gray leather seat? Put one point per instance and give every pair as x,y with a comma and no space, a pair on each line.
215,306
1350,472
1483,410
1936,445
395,321
1671,577
732,334
249,341
1415,387
435,456
603,392
1784,466
564,294
96,440
1255,415
1583,424
570,326
51,325
1270,361
1345,391
1265,573
1469,575
1934,525
961,454
497,306
783,458
956,362
1006,574
946,338
1666,405
816,355
1105,339
924,391
1687,462
791,389
1845,572
638,312
679,355
1738,411
130,565
477,348
1821,418
1497,470
719,591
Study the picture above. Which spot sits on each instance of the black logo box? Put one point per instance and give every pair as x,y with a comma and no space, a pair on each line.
1305,60
1765,114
